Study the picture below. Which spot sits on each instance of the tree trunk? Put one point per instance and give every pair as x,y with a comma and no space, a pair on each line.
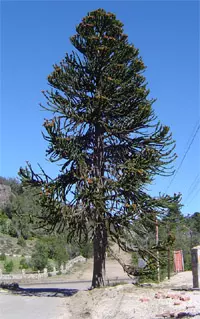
100,232
99,245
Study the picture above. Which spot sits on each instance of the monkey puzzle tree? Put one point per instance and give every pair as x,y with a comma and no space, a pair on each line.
104,133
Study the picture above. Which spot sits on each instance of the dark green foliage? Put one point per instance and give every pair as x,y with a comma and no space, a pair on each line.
19,217
105,135
57,250
39,258
4,223
24,264
8,266
21,241
2,257
49,267
86,250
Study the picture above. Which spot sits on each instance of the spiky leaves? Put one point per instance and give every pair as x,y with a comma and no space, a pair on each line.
103,132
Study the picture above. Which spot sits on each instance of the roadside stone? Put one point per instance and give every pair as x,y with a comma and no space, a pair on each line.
165,314
185,298
144,299
190,307
177,303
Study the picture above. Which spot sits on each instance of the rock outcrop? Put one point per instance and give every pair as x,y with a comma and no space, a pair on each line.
5,194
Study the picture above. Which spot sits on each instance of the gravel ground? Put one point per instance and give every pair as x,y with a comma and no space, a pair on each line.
128,302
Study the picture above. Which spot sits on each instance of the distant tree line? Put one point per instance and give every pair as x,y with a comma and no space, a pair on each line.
20,219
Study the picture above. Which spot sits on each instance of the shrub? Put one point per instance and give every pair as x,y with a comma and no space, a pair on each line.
8,266
21,242
2,257
39,257
49,267
23,264
86,250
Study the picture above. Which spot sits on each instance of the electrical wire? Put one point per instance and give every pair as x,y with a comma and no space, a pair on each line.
186,152
193,186
194,196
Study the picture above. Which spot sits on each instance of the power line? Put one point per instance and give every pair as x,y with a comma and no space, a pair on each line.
193,186
188,148
193,132
194,196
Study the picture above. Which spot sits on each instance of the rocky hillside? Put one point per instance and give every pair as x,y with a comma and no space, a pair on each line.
5,194
10,246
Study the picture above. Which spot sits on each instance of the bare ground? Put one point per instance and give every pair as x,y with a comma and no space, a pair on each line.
129,301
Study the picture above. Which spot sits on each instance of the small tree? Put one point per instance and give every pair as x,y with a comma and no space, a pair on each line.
39,258
106,137
57,250
8,266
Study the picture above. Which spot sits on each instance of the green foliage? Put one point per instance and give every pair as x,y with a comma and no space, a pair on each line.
49,267
57,250
39,258
4,223
21,241
2,257
24,264
8,266
134,259
86,250
106,106
106,137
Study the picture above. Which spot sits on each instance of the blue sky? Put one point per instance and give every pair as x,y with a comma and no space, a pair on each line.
35,35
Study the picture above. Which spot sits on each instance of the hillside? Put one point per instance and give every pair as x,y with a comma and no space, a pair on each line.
9,245
5,194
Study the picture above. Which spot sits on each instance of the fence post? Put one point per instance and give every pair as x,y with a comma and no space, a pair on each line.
196,266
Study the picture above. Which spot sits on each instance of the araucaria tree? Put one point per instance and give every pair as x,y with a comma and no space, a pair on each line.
105,135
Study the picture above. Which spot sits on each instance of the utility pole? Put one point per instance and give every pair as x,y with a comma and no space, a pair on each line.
168,257
158,263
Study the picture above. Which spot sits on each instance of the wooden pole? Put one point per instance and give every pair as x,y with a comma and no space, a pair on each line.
168,259
158,263
168,267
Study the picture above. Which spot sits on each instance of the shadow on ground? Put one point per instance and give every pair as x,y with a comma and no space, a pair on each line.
39,292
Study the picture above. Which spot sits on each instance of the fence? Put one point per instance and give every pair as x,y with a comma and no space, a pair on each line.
44,274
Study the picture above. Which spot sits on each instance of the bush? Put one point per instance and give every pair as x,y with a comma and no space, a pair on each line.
86,250
21,242
23,264
49,267
39,258
2,257
57,250
8,266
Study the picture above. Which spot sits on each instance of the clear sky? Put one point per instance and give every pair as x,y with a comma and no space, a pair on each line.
35,35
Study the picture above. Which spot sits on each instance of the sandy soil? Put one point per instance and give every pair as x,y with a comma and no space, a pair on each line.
166,300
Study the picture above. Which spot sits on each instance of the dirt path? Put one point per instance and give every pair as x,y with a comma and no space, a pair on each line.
167,300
